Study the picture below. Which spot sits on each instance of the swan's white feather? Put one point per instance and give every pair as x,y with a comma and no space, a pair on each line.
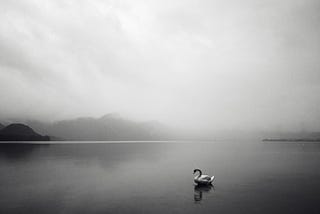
204,179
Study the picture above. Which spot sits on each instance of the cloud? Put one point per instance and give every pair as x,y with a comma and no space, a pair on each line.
205,64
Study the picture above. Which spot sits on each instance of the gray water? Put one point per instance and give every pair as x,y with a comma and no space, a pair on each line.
146,177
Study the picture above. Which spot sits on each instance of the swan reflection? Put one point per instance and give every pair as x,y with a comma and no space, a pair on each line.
199,190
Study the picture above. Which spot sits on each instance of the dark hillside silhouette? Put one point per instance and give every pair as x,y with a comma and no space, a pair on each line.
20,132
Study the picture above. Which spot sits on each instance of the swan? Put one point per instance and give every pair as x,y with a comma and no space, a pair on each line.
202,179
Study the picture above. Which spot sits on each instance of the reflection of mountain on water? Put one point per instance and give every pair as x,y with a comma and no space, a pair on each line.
199,190
18,151
41,177
105,154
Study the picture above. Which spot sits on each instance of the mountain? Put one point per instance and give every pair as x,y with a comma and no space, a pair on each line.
107,127
20,132
1,126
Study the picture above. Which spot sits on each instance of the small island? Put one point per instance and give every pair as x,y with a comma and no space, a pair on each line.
20,132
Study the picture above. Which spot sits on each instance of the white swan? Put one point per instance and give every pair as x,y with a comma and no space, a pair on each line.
202,179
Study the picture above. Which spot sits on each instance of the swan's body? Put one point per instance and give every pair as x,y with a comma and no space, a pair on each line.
202,179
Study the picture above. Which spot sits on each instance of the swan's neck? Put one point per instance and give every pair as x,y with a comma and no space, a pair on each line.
200,173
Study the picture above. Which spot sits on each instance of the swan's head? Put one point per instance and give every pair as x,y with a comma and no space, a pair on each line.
197,170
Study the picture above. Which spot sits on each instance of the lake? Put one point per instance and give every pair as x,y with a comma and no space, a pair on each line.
156,177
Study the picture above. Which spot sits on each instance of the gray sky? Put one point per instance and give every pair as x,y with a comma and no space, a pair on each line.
207,64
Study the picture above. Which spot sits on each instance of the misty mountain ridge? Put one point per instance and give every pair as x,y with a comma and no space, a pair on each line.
113,127
108,127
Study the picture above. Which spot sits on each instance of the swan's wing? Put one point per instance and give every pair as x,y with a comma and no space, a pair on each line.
205,177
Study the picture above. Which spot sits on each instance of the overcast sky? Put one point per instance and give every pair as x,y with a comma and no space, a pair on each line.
208,64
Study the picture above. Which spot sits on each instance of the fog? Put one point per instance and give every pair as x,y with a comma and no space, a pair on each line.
199,64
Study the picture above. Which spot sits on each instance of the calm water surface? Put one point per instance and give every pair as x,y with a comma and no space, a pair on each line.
145,177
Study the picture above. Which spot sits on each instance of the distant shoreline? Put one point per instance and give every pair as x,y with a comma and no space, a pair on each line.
290,140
